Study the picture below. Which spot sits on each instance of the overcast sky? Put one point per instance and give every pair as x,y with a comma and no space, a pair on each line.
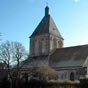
19,18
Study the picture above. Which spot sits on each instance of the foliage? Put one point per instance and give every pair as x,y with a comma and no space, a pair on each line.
41,84
63,84
44,73
63,81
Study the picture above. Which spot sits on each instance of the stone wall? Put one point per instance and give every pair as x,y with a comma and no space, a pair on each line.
71,74
55,42
44,44
39,45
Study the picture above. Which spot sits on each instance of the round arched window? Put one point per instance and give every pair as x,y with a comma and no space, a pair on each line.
72,76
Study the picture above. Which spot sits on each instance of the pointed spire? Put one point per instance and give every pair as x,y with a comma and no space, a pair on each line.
47,10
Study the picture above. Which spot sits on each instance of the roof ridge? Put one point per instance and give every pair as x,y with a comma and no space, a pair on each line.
75,46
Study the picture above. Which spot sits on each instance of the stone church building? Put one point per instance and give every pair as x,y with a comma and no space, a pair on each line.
46,48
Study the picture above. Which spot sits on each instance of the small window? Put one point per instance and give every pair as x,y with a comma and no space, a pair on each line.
72,76
54,29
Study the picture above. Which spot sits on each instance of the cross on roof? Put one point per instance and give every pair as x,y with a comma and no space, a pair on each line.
46,3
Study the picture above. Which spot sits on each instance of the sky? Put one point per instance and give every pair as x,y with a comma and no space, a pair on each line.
19,18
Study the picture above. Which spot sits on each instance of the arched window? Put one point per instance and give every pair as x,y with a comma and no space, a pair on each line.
36,48
51,43
72,76
44,46
54,44
60,44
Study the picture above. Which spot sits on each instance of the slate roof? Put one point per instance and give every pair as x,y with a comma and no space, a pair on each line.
46,26
36,61
69,57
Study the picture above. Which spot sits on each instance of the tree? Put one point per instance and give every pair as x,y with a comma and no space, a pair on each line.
19,53
12,51
44,73
5,54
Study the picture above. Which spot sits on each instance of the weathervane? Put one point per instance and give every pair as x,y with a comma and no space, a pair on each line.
46,3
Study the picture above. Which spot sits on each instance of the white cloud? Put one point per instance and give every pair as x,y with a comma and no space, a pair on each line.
76,1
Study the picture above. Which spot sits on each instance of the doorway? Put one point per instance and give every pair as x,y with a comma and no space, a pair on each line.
72,76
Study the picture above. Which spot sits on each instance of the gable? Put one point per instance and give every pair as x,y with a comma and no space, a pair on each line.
42,28
53,28
46,26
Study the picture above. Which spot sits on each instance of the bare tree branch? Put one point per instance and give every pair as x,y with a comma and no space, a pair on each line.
10,51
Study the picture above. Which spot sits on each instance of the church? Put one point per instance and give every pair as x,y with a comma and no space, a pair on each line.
46,48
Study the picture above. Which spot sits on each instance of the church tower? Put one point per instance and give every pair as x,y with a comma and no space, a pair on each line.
46,37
